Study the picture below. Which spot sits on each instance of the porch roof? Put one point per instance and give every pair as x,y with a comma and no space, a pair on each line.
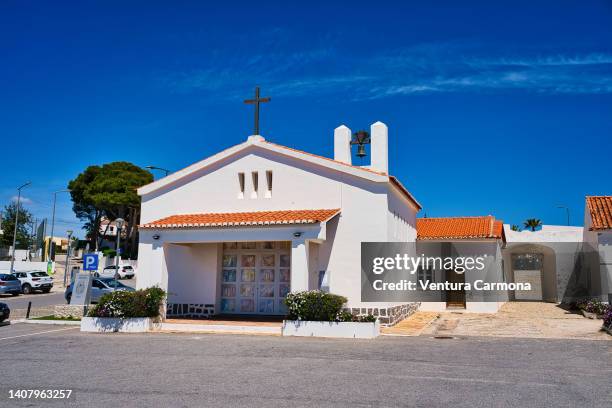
459,228
237,219
600,208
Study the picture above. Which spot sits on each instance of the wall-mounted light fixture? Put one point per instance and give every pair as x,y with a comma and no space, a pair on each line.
297,234
156,237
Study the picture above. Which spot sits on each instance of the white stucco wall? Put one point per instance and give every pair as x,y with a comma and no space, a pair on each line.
548,233
564,270
401,218
602,242
194,272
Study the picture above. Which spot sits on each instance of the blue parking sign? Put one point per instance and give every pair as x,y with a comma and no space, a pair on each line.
90,262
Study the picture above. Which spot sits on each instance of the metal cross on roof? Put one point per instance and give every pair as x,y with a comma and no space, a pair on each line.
257,101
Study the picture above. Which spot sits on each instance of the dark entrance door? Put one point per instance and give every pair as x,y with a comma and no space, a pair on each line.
455,298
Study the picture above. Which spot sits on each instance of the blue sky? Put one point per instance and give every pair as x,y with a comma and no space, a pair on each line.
497,108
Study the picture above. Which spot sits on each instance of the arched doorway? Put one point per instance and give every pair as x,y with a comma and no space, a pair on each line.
536,264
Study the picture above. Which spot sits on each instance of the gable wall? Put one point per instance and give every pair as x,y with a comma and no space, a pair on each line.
296,185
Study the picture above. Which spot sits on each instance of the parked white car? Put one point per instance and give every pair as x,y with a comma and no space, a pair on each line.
125,271
34,280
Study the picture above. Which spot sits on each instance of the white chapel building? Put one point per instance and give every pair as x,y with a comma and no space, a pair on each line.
236,232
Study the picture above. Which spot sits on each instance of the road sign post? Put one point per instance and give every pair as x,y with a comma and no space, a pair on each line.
90,262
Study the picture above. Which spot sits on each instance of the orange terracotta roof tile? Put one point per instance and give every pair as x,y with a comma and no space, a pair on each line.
459,228
600,208
498,228
243,219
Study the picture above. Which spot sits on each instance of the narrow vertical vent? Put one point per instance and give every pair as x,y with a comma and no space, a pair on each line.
255,177
269,181
241,185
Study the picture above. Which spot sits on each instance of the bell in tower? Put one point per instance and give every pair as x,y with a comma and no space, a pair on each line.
361,138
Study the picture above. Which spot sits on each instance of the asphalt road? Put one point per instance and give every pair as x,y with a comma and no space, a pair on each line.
187,370
39,299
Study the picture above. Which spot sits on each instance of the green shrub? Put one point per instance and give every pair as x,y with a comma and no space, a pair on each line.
596,306
346,316
367,318
110,253
314,305
319,306
580,305
592,306
124,304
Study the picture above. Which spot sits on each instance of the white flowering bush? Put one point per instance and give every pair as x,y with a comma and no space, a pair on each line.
314,305
124,304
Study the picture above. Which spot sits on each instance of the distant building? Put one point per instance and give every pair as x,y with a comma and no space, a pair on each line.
109,228
598,233
108,233
553,260
60,242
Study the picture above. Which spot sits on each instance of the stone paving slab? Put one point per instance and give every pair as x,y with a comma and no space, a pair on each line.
411,326
520,319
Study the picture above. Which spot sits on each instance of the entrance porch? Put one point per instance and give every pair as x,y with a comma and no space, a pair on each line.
230,270
247,278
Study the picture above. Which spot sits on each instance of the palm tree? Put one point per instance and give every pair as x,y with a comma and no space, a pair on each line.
532,223
515,227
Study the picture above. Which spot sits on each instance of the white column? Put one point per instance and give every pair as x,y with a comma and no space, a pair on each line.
299,265
152,269
342,144
380,147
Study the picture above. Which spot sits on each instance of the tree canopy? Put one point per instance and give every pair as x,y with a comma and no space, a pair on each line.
24,239
109,191
532,223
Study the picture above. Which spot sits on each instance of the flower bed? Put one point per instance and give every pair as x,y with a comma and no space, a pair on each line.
318,314
593,308
122,311
607,320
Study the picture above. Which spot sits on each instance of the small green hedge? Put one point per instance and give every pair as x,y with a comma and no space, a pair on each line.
315,305
124,304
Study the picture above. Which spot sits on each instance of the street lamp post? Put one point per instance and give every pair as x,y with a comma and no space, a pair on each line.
11,270
158,168
119,224
69,234
567,211
53,221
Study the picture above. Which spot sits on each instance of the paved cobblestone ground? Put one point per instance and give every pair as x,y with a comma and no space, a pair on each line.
412,326
519,319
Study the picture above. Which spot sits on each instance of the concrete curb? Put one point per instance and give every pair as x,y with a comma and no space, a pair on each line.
52,322
216,328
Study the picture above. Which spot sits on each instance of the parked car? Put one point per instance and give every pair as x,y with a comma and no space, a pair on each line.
5,312
124,271
9,284
34,280
99,287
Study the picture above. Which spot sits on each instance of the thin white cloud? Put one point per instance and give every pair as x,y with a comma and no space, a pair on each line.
548,61
419,69
22,200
